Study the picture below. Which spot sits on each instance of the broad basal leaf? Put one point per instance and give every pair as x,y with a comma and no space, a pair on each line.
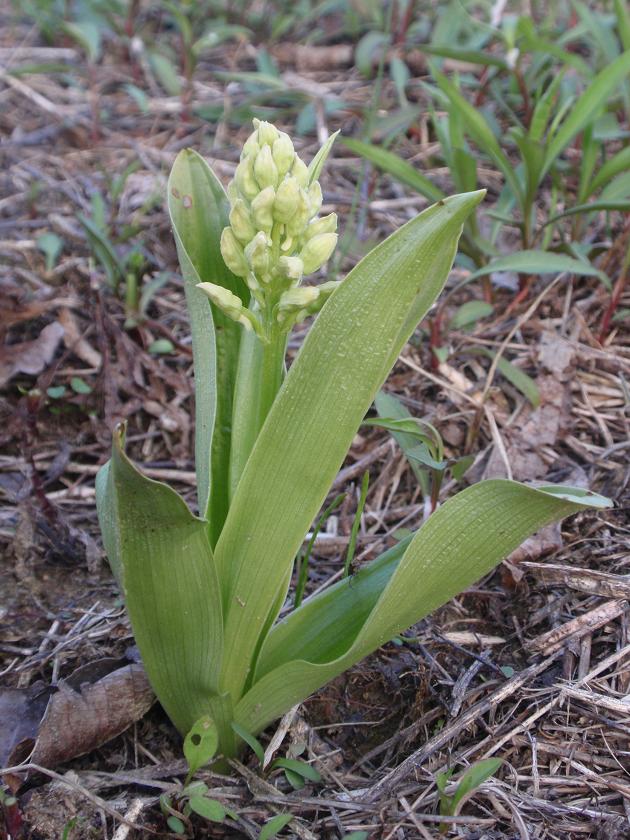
199,211
459,543
344,360
169,582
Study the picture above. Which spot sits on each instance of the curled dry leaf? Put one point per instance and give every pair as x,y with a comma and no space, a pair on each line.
50,726
30,356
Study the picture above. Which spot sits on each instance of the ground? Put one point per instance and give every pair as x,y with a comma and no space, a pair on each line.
531,665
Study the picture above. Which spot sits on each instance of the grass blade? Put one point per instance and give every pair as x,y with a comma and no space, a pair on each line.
587,106
395,166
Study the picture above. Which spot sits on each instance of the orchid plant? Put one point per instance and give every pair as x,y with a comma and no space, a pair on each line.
204,591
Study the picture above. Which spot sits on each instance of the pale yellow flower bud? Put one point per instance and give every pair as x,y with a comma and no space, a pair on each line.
245,180
232,192
297,224
262,209
299,170
326,289
267,133
317,251
294,300
265,169
257,255
229,303
283,154
251,145
241,222
315,198
291,268
327,224
287,198
232,253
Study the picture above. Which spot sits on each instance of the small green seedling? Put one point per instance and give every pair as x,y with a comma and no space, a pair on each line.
476,775
200,746
204,592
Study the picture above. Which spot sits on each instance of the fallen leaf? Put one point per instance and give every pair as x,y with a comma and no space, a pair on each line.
30,356
73,340
51,725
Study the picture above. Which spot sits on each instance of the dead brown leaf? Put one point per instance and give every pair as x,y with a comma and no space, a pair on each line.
53,725
30,357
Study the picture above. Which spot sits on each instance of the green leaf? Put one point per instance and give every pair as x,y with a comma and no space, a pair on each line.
618,189
200,743
296,782
623,22
388,406
199,211
371,45
161,347
160,554
589,104
400,75
613,166
469,313
395,166
50,245
482,57
473,777
104,250
300,767
592,207
539,262
176,825
356,835
274,825
80,386
358,335
87,35
56,392
209,809
251,740
317,164
480,132
518,378
166,73
459,543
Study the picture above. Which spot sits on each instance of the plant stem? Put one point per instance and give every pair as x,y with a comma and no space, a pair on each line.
272,372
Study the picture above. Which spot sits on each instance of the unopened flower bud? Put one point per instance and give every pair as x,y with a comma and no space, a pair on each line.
283,154
229,303
315,198
326,289
299,170
232,253
257,254
265,169
251,145
317,251
291,268
262,209
232,192
327,224
241,222
299,298
267,133
297,224
245,180
287,198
